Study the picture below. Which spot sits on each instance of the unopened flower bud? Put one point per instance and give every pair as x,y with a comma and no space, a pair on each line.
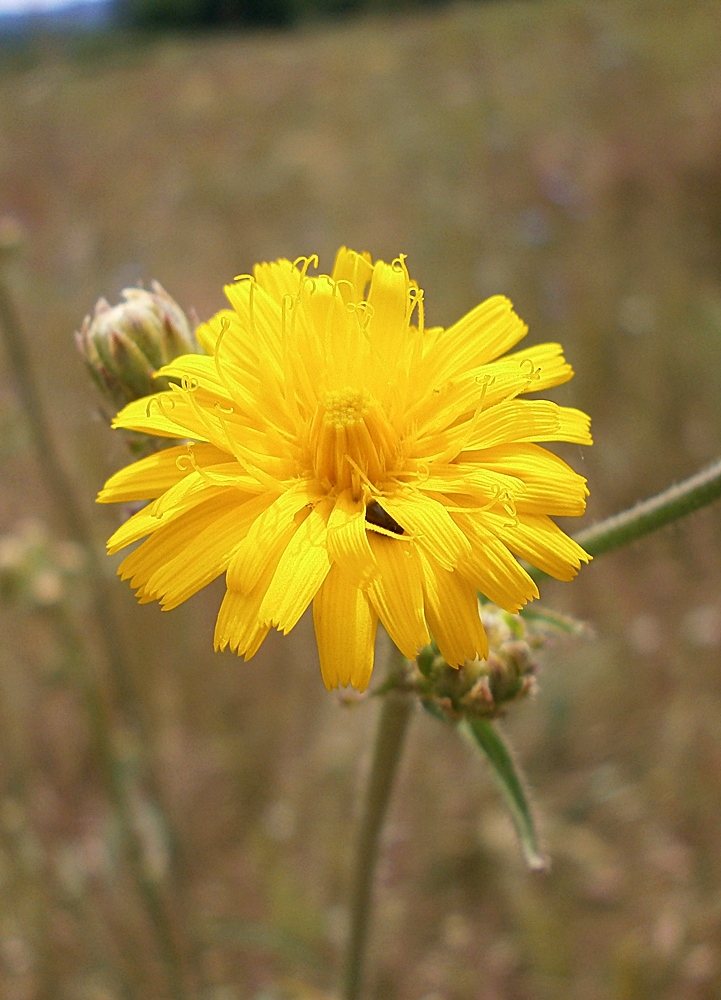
484,688
124,345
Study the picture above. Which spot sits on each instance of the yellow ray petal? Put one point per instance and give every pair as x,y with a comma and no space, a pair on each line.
451,609
207,333
239,369
151,476
352,271
228,323
542,543
223,384
278,278
528,420
237,625
197,369
189,413
531,370
182,494
146,521
345,628
261,319
550,485
188,553
575,427
492,569
431,524
480,486
165,414
397,593
390,305
250,356
302,569
479,337
348,544
337,330
277,522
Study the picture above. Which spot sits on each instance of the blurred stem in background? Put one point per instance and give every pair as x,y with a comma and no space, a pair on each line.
121,779
65,501
123,699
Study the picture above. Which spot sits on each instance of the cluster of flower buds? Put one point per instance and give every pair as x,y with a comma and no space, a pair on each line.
124,345
484,688
35,570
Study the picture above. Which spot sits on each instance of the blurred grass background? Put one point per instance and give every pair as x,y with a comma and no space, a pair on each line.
567,154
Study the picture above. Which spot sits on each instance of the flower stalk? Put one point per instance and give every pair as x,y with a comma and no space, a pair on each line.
395,714
670,505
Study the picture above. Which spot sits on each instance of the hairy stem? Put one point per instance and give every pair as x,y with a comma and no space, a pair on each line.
673,503
394,716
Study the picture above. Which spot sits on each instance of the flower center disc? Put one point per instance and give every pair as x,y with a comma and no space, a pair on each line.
351,440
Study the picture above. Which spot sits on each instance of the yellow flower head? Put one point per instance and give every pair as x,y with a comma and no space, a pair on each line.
344,454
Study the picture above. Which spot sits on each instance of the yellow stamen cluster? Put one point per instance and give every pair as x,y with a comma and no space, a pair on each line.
351,439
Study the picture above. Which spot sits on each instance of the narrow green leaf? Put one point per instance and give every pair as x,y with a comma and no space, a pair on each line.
485,735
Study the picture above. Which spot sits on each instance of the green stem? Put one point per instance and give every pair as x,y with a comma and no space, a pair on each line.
649,515
63,495
671,504
395,713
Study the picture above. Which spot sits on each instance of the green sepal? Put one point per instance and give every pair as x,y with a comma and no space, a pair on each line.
425,660
487,737
432,708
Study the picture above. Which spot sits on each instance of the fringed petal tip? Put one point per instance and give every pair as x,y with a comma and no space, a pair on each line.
234,644
360,687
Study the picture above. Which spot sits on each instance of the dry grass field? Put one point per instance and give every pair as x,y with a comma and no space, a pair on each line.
567,154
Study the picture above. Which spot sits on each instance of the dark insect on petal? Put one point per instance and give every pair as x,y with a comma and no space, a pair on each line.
382,519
